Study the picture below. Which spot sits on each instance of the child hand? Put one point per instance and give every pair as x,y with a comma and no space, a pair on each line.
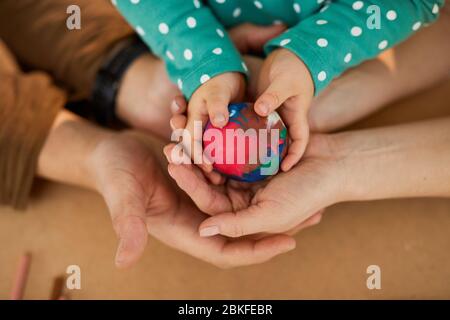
286,84
211,101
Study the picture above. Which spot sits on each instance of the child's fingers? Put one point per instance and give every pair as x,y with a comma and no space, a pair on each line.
179,105
175,158
299,135
195,123
298,129
214,177
274,96
217,105
178,121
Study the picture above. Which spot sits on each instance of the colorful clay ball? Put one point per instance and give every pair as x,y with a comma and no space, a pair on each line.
250,147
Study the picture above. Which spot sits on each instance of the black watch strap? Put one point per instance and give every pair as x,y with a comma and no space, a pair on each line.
108,80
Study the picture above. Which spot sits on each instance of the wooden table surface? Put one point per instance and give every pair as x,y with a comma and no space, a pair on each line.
408,239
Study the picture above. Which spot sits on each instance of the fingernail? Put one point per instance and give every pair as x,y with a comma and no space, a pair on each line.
209,231
174,106
219,119
207,166
291,247
317,220
119,255
169,170
172,125
263,108
166,154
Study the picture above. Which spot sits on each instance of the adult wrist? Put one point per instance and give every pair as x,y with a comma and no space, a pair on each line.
352,163
370,164
64,156
330,154
401,161
95,160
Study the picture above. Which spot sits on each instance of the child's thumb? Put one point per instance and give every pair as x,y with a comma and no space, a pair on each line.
273,97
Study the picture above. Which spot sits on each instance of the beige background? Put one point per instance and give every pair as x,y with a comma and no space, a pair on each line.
408,239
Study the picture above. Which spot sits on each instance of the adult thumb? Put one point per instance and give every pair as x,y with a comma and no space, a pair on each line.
133,236
250,38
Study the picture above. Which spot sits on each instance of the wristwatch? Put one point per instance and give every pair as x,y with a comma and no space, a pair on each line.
108,79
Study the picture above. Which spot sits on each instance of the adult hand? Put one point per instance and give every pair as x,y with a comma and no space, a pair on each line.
141,201
391,162
214,195
272,206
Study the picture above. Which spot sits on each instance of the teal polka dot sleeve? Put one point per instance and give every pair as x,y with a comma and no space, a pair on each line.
187,36
344,33
330,36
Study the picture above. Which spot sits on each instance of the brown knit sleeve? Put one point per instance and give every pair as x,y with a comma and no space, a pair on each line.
36,32
28,106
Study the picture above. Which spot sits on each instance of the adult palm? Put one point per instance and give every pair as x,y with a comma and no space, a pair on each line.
284,203
142,201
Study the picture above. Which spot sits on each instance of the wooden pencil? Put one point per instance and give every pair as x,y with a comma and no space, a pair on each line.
21,277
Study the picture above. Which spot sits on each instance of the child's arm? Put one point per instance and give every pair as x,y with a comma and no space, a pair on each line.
187,36
321,47
345,33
